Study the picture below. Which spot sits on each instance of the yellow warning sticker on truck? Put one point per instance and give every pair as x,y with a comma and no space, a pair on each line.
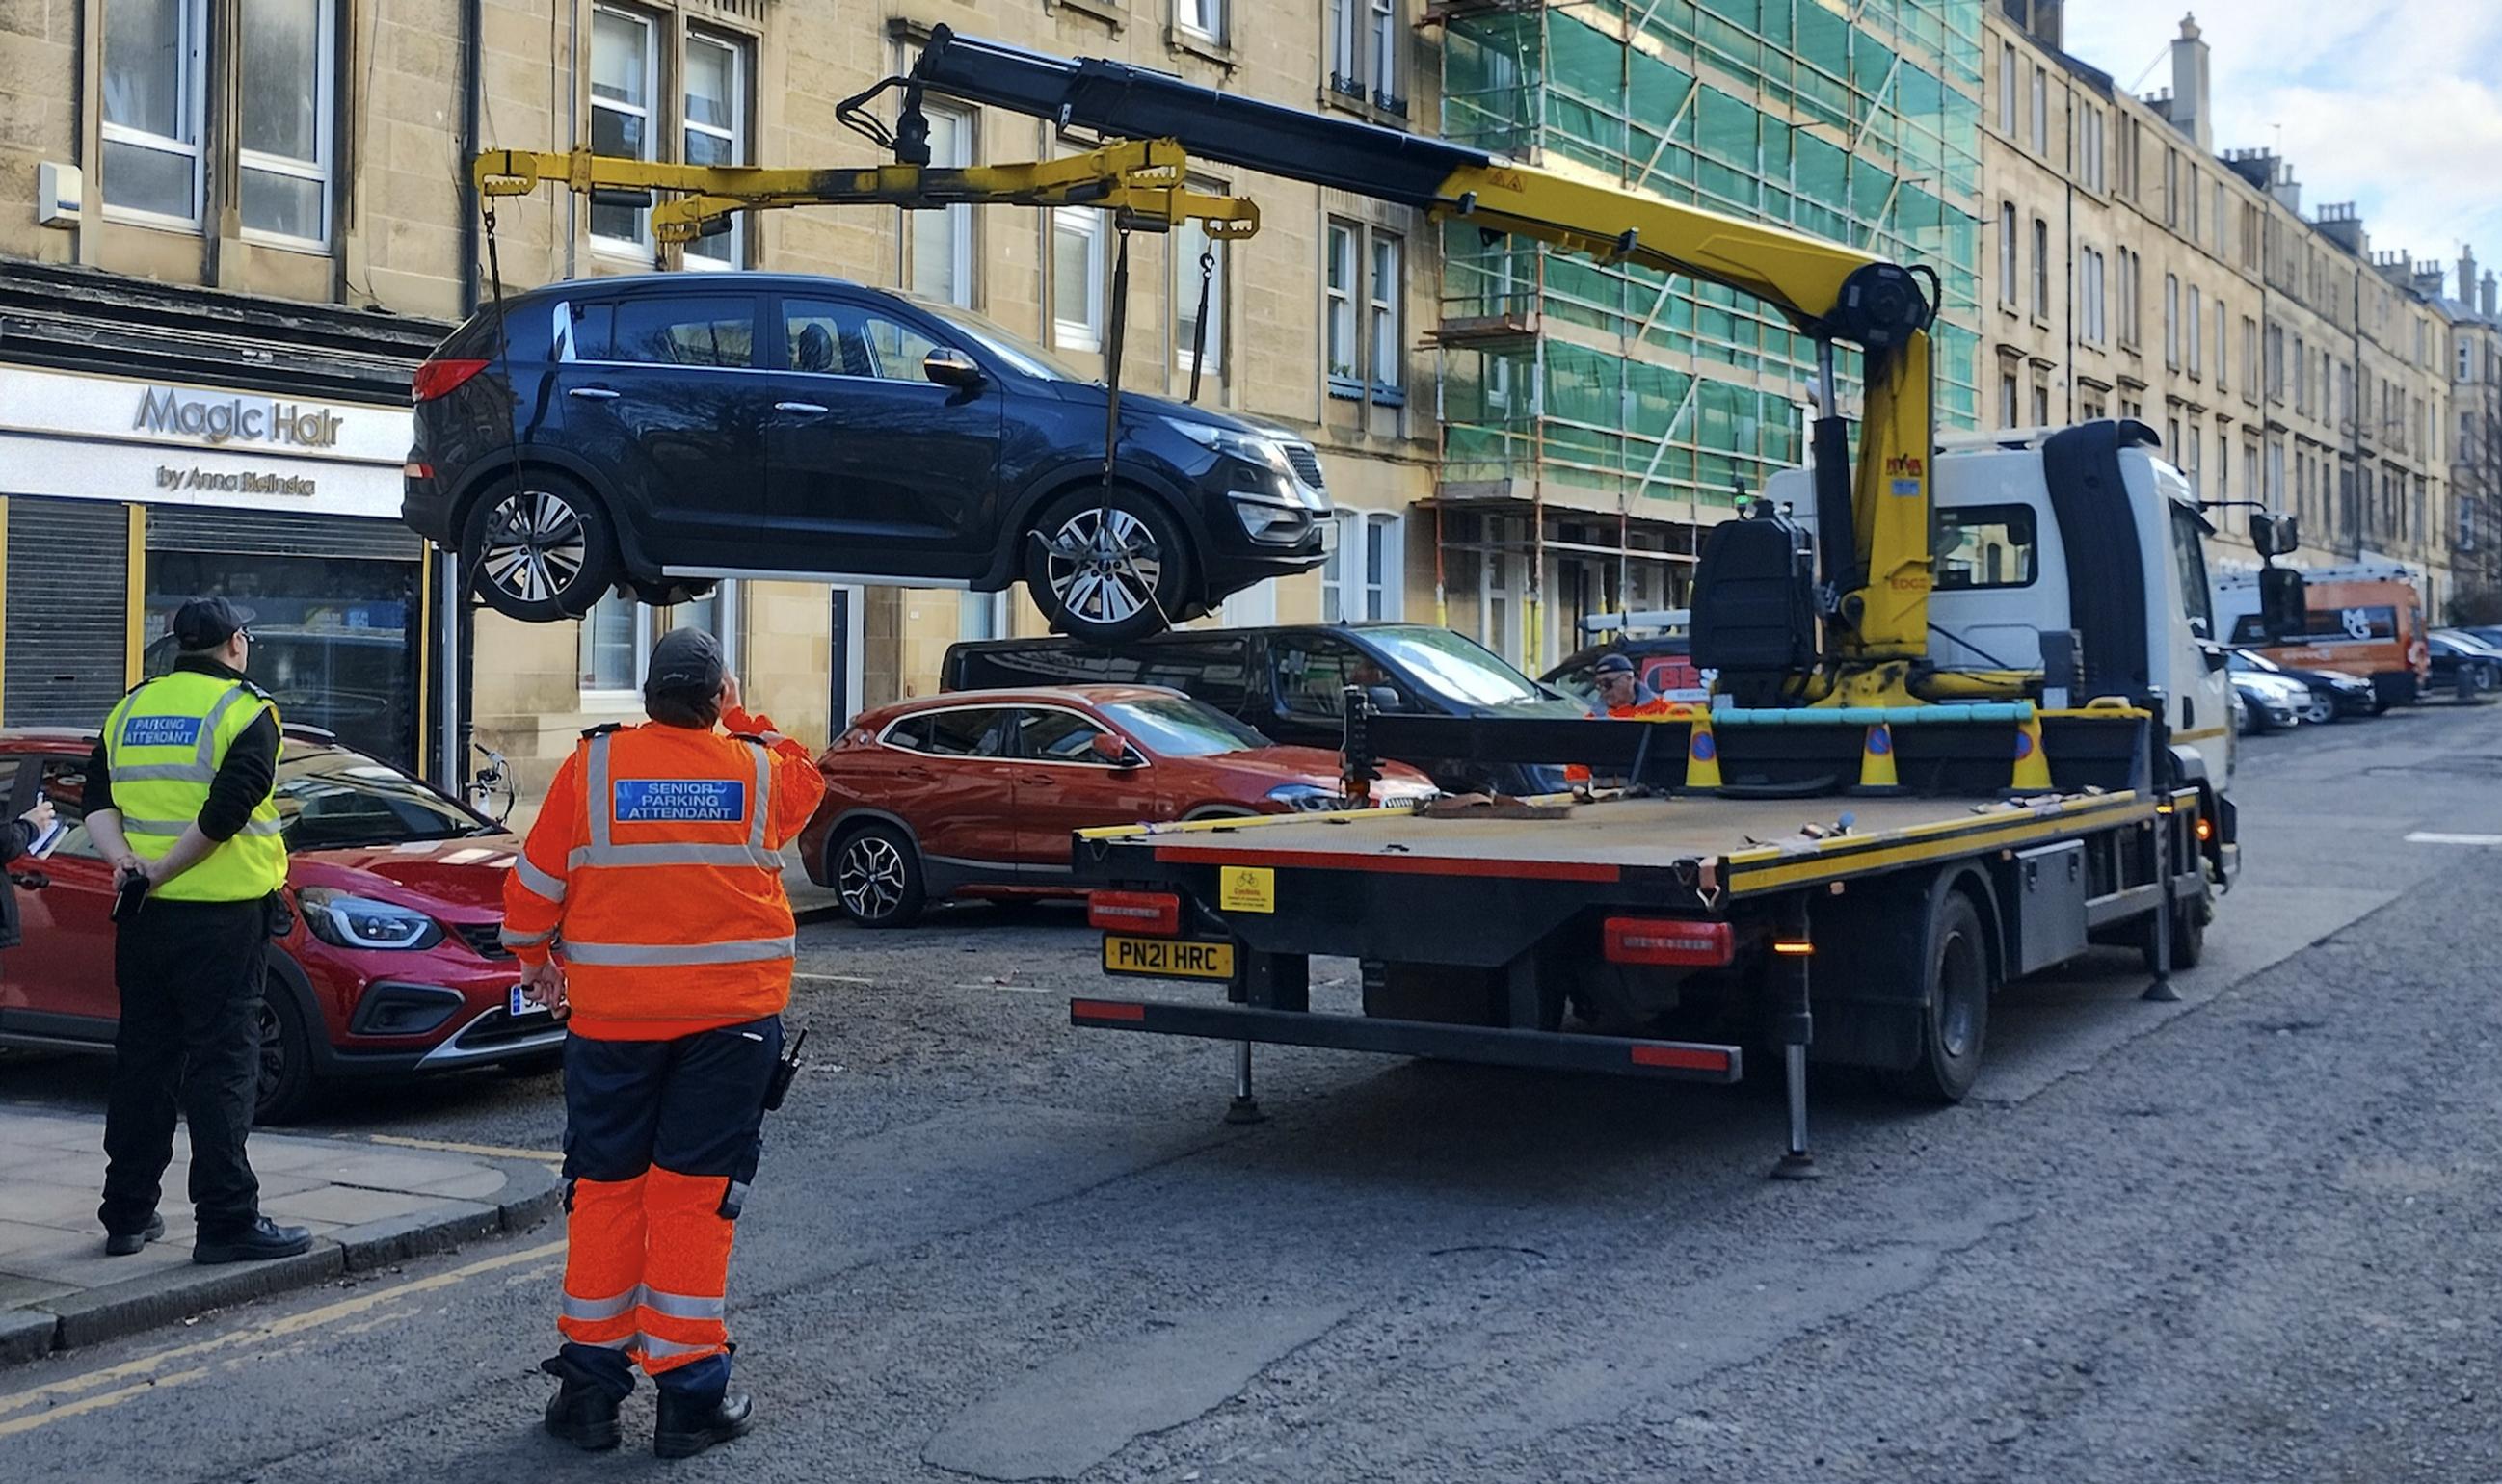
1246,888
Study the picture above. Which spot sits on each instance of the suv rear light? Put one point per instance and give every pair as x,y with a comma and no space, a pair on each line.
1670,941
440,378
1155,912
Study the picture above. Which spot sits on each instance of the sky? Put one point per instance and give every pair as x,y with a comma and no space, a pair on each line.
2396,105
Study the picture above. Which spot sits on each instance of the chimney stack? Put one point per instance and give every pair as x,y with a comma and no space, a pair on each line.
2466,273
2485,294
2189,111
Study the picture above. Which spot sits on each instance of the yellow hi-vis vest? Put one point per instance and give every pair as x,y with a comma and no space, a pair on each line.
164,745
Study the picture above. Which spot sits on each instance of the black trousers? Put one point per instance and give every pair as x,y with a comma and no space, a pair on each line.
191,977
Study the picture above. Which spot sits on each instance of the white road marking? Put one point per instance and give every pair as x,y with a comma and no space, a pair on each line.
2437,837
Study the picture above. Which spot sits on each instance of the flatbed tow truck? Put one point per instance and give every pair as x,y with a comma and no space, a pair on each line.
1968,712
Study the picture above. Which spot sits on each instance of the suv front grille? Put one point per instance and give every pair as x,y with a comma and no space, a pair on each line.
485,939
1307,464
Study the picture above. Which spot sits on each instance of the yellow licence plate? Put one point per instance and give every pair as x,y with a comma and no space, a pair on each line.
1168,958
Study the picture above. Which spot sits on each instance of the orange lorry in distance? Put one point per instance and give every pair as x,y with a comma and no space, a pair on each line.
2366,621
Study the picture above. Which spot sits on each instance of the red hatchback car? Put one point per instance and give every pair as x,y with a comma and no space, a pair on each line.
975,793
392,967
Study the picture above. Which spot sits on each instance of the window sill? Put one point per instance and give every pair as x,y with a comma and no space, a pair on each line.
1109,12
1346,390
1185,42
285,244
623,251
1389,396
128,216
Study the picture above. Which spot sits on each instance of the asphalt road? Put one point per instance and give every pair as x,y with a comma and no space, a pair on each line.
2247,1237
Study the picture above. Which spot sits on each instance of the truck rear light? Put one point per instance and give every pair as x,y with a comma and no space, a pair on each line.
1669,940
1105,1010
1155,912
1690,1059
413,470
441,377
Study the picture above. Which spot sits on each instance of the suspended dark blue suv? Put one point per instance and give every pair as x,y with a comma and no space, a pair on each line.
659,433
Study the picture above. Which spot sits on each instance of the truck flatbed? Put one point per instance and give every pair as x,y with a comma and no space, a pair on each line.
1744,845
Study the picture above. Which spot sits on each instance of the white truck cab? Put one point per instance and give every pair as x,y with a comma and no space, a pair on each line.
2006,572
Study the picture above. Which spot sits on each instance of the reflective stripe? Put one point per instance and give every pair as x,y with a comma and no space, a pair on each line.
621,1342
209,724
166,772
763,798
595,783
772,738
550,887
683,1305
653,1344
130,826
755,855
641,954
511,940
588,1309
604,851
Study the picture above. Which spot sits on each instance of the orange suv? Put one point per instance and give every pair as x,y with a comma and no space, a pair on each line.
975,793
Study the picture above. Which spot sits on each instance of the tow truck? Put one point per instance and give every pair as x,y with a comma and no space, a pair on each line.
1968,712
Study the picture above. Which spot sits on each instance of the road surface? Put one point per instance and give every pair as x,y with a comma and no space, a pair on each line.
2248,1236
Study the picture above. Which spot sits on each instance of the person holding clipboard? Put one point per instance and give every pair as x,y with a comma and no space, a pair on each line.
32,833
181,799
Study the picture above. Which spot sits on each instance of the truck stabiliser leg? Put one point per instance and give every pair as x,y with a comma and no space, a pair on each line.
1793,950
1245,1108
2161,991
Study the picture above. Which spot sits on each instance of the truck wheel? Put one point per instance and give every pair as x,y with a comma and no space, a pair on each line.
538,548
877,874
1955,1024
2188,933
1108,568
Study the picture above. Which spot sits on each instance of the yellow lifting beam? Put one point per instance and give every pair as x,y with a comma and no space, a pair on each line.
1143,183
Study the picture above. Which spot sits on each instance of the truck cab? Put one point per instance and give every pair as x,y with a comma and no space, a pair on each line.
2007,570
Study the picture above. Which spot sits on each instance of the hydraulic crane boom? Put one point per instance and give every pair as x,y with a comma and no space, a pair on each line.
1874,524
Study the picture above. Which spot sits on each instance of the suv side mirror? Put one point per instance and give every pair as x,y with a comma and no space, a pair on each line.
2274,533
947,366
2284,613
1110,749
1384,699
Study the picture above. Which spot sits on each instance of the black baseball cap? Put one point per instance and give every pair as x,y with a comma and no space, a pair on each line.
1612,665
687,660
207,623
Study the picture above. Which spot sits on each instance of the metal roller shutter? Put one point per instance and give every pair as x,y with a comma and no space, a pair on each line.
176,528
68,616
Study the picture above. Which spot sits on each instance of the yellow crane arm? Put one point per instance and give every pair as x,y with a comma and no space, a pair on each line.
1142,182
1873,526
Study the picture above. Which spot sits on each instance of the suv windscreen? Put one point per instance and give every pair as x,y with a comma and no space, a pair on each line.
1002,343
1173,726
1455,666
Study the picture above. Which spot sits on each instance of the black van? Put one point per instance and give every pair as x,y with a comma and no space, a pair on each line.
1287,682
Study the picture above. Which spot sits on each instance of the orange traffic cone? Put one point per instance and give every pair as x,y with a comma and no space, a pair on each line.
1702,754
2032,763
1876,774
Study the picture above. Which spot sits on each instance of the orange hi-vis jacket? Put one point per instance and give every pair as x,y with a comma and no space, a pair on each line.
654,874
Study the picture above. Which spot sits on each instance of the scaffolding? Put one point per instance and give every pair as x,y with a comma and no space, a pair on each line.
1622,394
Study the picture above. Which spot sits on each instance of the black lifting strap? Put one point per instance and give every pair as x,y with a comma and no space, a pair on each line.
1113,335
1199,326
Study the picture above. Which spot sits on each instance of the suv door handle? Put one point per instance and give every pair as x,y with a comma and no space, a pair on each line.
30,881
591,394
813,409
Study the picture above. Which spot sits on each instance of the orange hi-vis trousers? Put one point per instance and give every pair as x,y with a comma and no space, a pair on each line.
662,1141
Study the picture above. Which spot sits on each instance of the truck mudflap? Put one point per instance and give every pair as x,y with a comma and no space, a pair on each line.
1674,1060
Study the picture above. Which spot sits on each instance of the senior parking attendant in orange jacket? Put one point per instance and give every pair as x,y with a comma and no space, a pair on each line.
649,901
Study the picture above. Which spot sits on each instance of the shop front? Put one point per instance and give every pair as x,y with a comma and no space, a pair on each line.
120,496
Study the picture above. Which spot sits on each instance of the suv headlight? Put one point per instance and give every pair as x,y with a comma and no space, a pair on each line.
1267,453
1306,797
343,921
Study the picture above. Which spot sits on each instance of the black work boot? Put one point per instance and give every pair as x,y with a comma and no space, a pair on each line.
689,1424
122,1244
582,1413
258,1242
